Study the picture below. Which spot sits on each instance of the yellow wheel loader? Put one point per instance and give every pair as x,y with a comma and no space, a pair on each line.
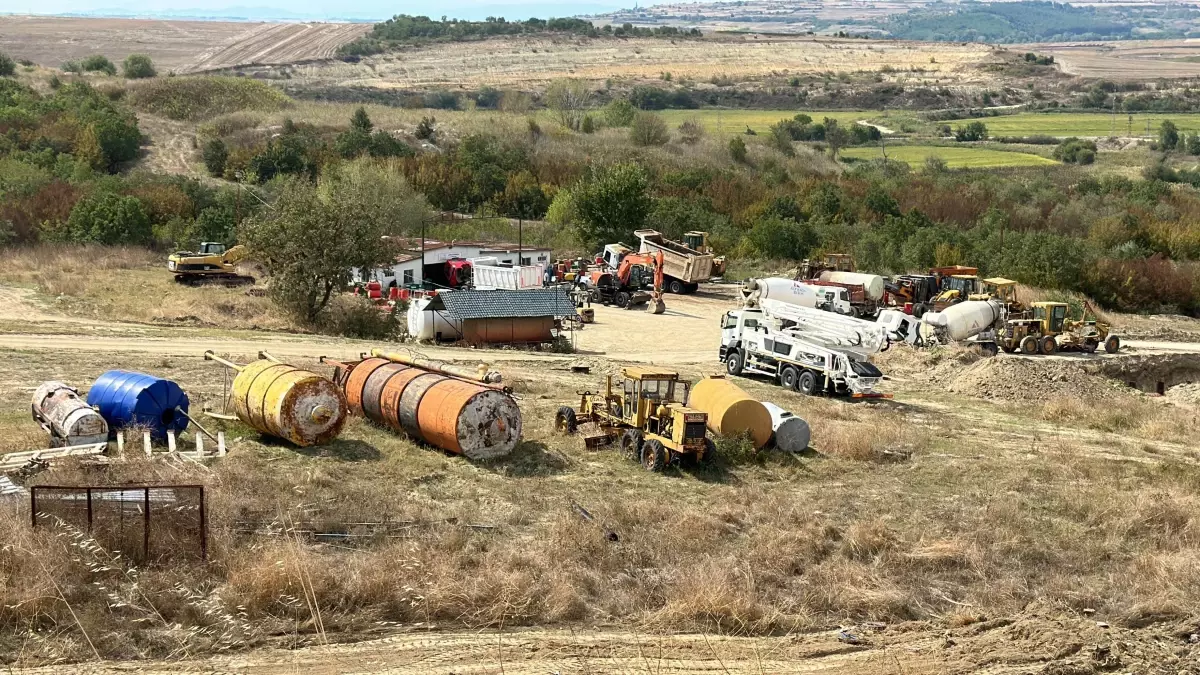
646,415
1045,329
211,264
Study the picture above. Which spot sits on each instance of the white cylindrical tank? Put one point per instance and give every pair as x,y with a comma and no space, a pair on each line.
871,283
782,290
70,421
790,433
965,319
425,324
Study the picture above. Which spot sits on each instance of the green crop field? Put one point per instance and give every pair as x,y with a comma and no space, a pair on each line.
1085,124
717,120
955,157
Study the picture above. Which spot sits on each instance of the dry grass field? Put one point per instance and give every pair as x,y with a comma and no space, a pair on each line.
965,524
182,46
532,62
1130,60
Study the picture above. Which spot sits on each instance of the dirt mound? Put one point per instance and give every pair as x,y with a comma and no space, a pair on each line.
1033,380
1187,394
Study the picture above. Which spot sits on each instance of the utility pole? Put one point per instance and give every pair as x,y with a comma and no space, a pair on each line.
520,239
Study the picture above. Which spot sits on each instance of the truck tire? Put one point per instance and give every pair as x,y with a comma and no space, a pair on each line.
710,452
565,420
989,348
654,456
688,289
1089,346
675,286
1029,345
807,384
733,363
631,444
789,377
1113,344
1048,345
622,299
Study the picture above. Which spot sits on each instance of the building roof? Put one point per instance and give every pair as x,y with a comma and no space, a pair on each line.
505,304
414,244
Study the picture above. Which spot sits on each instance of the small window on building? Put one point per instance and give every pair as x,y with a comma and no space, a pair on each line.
526,261
408,277
541,258
507,261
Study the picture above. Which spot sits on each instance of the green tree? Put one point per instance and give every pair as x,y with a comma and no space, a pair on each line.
1075,151
1168,135
588,126
619,113
1193,144
975,131
215,155
836,136
360,121
780,138
108,218
879,202
737,149
648,129
522,197
98,64
611,203
315,235
775,237
138,66
7,66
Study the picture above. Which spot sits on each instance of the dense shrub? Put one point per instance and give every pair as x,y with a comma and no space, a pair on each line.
775,237
611,203
215,155
138,66
1075,151
203,97
7,66
737,149
108,218
648,129
974,131
619,113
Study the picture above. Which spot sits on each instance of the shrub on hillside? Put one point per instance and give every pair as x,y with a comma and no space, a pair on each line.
97,64
619,113
975,131
108,218
1075,151
691,131
138,66
200,98
215,155
648,129
7,66
611,203
775,237
357,317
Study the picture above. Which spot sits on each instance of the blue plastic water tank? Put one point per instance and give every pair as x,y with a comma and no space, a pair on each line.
125,398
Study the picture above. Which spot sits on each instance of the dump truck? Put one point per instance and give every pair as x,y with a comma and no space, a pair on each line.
646,414
488,273
1046,329
683,267
698,241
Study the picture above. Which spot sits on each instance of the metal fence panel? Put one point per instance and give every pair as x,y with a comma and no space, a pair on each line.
147,524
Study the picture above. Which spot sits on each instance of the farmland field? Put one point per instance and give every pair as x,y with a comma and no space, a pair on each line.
737,121
182,46
955,157
1087,124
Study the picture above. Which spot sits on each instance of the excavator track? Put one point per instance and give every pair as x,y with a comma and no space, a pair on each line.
228,280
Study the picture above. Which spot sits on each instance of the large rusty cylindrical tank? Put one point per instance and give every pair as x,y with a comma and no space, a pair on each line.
456,415
291,403
70,421
731,410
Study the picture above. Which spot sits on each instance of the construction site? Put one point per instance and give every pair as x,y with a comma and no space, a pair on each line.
825,470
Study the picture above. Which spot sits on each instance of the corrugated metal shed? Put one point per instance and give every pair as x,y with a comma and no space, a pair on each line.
506,304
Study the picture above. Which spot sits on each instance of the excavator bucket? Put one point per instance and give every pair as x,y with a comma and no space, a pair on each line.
656,306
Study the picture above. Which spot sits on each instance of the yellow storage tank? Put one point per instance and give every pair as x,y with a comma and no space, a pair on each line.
731,410
291,403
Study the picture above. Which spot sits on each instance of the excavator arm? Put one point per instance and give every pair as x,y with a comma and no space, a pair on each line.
236,254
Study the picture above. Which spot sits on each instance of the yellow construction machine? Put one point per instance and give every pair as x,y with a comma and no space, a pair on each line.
646,415
211,264
1045,329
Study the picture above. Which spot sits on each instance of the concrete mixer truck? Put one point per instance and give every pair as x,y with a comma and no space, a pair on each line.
810,350
974,322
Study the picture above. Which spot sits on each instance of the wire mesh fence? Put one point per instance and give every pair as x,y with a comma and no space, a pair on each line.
147,524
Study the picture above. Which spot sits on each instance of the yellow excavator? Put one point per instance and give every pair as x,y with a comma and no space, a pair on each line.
211,264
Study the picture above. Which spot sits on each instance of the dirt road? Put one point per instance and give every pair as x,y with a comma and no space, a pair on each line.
996,647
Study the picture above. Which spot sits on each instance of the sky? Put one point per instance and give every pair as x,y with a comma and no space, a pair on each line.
312,9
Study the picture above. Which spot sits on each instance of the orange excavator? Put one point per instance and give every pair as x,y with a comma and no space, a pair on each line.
627,287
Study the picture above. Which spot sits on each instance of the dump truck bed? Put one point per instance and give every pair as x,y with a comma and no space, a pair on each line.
679,261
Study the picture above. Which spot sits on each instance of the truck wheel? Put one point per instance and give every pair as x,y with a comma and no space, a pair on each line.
565,421
1049,345
654,455
1007,349
919,310
1029,345
688,289
710,452
675,286
733,363
1089,346
807,384
631,444
622,299
1113,344
989,348
789,377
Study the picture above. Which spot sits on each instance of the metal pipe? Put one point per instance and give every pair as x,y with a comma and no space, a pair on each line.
211,356
480,374
265,355
181,411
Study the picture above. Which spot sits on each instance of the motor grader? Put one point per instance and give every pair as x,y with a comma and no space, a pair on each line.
1045,329
645,414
